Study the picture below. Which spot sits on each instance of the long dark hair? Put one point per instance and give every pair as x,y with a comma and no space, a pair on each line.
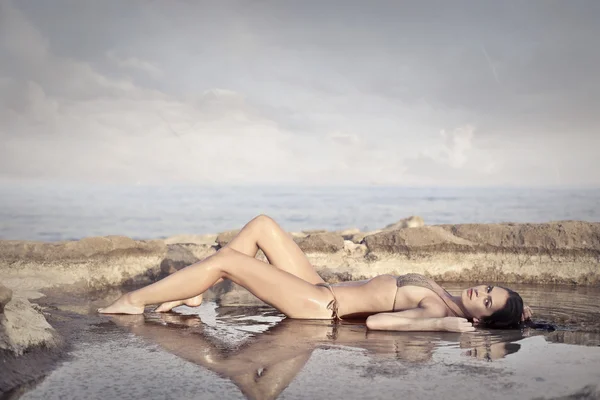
508,316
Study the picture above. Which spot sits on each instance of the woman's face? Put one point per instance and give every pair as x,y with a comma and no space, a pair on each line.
483,300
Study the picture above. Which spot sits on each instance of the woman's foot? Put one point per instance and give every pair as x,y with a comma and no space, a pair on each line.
123,305
169,305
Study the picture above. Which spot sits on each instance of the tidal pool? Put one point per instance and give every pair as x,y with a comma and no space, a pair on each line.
254,352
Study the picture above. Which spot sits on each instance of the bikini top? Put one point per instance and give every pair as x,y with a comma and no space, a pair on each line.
422,281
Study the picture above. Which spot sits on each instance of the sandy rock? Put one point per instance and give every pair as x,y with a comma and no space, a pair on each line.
22,326
404,240
516,238
298,234
93,262
348,233
321,242
314,231
562,235
225,237
13,250
359,237
5,296
354,249
183,254
410,222
209,239
261,256
178,256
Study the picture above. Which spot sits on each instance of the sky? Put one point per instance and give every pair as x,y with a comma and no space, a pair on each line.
429,93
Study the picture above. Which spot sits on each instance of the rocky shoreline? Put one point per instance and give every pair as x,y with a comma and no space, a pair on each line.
564,252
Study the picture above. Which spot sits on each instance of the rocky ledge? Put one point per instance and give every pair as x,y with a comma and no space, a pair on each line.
566,252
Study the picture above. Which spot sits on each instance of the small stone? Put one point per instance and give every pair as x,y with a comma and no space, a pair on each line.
321,243
5,296
410,222
225,237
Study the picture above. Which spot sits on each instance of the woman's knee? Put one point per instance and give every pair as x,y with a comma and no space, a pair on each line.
226,257
265,224
264,219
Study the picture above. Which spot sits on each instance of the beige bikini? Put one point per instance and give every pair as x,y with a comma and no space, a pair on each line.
406,280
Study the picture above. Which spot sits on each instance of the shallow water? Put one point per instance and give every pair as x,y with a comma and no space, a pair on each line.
254,352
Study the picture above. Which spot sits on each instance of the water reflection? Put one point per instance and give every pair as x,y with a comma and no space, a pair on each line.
269,352
491,346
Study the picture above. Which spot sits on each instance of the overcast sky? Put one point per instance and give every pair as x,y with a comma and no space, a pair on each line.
312,92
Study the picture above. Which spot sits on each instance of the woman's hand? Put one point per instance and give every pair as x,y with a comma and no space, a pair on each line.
455,324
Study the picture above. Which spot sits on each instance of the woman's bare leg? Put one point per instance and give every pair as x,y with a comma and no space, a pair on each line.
282,252
279,247
289,294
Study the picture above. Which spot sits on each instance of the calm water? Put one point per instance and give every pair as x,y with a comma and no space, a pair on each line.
253,352
52,212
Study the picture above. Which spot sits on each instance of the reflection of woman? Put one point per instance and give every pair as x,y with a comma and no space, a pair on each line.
491,347
290,284
267,363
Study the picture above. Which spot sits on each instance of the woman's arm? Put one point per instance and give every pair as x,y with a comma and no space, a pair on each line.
418,319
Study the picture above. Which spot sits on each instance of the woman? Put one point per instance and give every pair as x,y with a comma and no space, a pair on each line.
290,284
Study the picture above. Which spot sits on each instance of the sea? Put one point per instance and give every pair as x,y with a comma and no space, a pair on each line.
50,212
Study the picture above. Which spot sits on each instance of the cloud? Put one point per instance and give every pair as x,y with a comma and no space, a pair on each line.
454,159
457,144
344,139
135,64
66,119
244,93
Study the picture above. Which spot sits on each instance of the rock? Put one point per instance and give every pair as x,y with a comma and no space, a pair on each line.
405,240
298,234
321,242
209,239
348,233
5,296
92,262
410,222
359,237
563,235
517,238
225,237
23,327
314,231
354,249
13,250
183,254
178,256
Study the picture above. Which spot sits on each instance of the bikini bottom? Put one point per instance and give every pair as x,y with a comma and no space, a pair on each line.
333,304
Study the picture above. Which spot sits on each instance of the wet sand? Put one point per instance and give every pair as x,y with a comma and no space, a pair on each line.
253,352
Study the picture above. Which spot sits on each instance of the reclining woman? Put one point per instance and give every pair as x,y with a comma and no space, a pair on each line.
289,283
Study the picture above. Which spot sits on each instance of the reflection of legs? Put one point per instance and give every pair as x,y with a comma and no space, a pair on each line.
282,252
262,368
286,292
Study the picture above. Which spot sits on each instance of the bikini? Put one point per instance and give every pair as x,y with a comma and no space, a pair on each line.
333,304
405,280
